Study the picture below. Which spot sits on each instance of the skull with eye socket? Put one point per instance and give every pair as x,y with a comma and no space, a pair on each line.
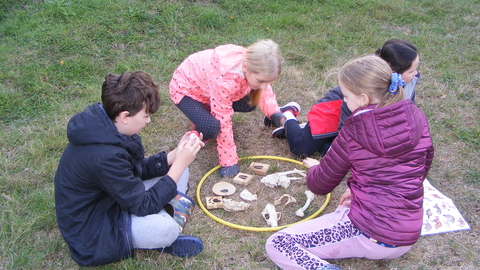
271,216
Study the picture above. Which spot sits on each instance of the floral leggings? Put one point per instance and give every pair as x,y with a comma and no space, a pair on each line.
333,236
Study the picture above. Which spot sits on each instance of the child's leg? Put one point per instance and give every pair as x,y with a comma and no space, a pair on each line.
332,236
157,230
301,142
201,117
243,105
154,231
181,185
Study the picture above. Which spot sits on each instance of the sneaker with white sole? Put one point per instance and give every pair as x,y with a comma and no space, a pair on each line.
291,106
184,246
280,131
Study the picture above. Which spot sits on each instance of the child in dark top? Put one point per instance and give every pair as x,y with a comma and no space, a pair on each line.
109,198
326,117
387,146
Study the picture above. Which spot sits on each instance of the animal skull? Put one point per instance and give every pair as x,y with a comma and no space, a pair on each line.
281,178
310,197
270,215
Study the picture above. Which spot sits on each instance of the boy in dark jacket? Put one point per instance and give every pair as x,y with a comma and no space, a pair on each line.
109,198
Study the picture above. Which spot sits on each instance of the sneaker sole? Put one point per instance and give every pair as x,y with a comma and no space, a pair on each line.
185,246
292,104
279,133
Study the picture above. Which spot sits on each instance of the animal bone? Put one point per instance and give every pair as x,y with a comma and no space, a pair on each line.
290,200
231,205
281,178
247,195
271,216
310,197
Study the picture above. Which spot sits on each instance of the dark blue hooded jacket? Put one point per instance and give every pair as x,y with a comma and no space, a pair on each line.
98,184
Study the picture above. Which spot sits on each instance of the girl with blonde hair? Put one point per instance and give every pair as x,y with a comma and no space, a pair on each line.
210,85
386,145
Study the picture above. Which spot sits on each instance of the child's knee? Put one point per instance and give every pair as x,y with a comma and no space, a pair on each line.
210,131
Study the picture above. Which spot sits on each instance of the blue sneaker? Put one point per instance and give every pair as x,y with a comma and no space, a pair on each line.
184,246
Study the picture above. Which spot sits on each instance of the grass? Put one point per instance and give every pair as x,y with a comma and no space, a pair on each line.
54,55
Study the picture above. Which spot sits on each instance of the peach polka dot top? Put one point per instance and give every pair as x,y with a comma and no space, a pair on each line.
213,77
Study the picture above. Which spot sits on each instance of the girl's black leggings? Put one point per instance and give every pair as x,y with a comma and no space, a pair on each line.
204,121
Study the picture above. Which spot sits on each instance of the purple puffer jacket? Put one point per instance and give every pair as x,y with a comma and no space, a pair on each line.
389,152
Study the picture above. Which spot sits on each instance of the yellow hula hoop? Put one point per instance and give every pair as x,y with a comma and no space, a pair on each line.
255,229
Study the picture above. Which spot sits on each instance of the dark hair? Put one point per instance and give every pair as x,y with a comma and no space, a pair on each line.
399,54
129,92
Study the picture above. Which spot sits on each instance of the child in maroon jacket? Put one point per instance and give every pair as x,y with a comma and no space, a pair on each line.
387,146
326,117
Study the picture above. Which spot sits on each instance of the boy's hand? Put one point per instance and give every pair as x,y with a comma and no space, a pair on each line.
184,154
310,162
188,148
193,132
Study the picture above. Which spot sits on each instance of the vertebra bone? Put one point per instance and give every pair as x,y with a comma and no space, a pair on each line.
290,200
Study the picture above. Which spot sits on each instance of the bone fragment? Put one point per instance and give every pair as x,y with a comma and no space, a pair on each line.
290,200
271,216
310,196
231,205
281,178
248,196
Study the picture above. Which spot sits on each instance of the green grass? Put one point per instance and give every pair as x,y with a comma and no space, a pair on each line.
54,55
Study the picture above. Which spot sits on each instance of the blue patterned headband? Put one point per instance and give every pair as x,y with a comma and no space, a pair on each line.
396,82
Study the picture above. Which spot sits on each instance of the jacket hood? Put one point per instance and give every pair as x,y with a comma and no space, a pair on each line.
389,131
93,126
227,56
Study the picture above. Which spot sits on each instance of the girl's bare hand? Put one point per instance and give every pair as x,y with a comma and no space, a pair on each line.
346,198
310,162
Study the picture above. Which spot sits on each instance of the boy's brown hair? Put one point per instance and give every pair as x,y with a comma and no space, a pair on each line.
129,92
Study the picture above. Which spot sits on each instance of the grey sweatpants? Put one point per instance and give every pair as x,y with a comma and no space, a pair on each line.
157,230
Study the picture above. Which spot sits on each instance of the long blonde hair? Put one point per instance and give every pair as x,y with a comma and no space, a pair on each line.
370,75
263,57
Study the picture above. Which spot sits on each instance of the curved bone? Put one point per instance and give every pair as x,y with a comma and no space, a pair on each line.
231,205
248,196
270,215
290,200
310,197
281,178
